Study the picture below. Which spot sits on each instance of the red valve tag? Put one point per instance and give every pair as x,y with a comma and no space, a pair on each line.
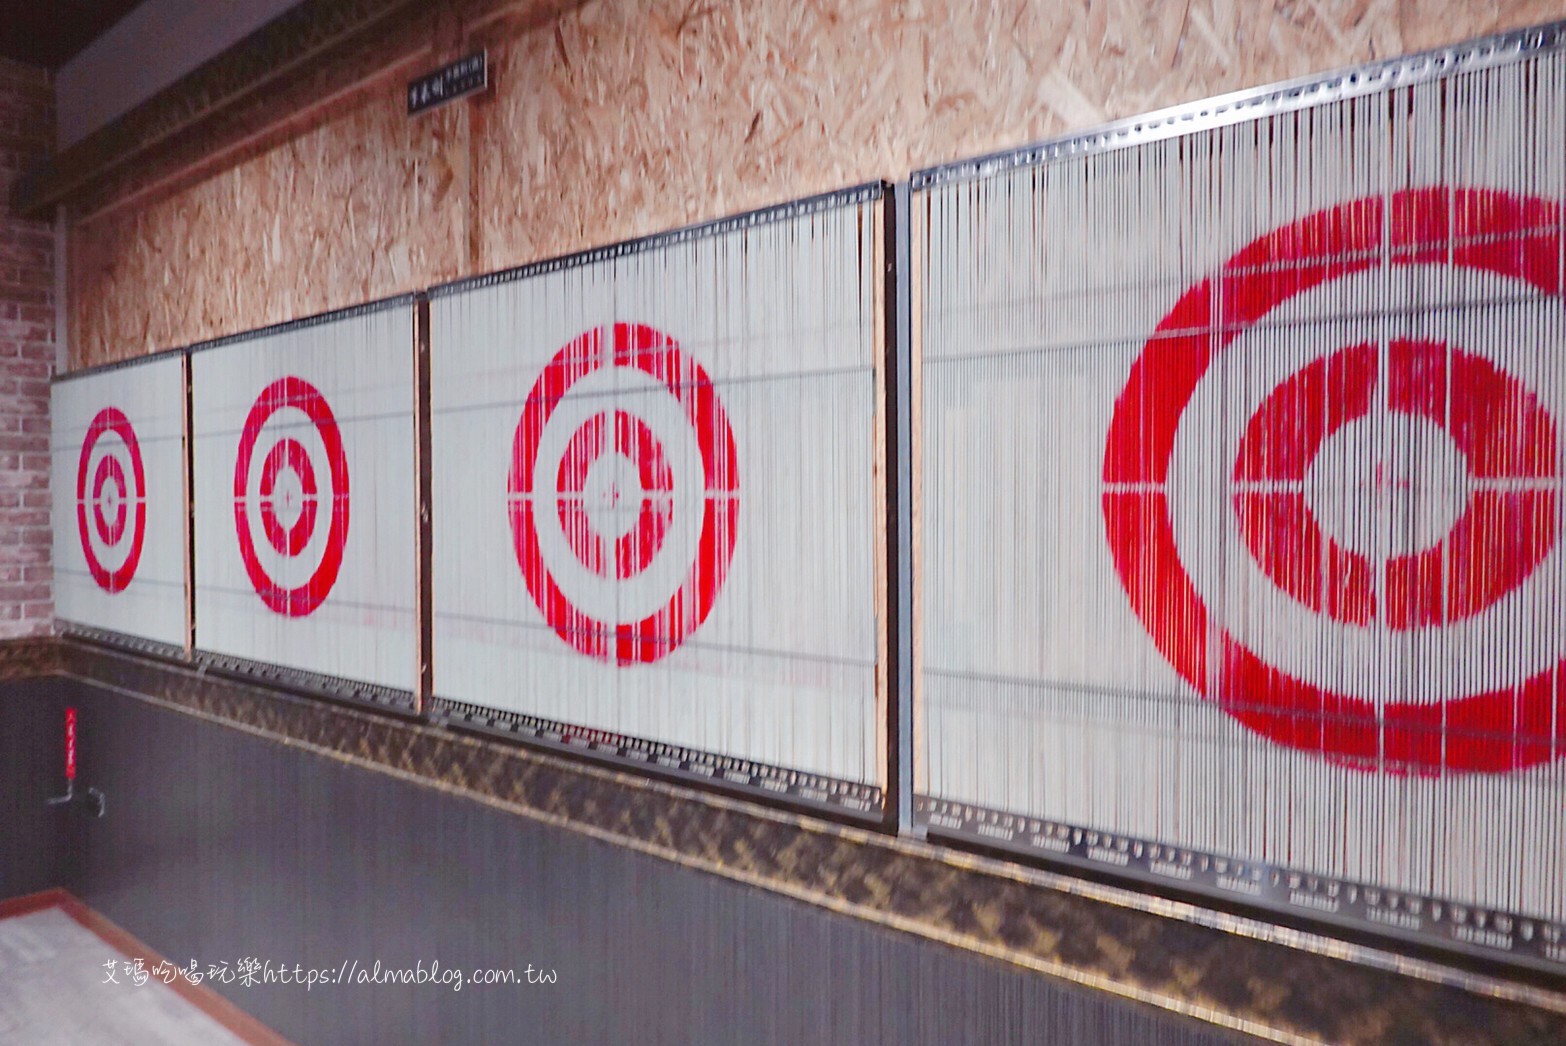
70,744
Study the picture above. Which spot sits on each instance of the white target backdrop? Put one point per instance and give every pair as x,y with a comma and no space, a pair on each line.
304,497
1242,508
118,478
653,493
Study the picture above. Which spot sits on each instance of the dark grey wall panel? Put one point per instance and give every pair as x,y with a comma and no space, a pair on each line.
221,845
34,838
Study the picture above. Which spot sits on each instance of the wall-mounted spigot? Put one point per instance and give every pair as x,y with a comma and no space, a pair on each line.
91,800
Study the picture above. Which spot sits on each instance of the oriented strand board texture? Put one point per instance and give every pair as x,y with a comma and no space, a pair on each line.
369,205
629,116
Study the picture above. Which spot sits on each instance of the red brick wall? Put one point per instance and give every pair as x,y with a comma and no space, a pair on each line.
26,359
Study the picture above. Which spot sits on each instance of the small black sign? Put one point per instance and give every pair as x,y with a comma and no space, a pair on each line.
465,76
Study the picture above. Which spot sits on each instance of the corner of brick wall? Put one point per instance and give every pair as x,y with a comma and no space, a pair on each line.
26,360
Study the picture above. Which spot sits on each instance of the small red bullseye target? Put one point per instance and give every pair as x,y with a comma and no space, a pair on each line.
292,430
623,519
111,506
1389,487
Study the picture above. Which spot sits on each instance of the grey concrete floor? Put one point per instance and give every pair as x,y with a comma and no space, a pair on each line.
53,990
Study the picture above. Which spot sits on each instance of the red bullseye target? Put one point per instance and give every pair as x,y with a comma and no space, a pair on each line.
112,555
615,495
286,500
1500,492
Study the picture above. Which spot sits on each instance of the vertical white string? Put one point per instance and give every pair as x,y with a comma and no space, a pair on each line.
761,333
1051,694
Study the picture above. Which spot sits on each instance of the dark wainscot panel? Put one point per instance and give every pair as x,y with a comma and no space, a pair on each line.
250,822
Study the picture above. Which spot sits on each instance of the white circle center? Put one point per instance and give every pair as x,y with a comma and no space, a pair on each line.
612,494
287,497
1388,484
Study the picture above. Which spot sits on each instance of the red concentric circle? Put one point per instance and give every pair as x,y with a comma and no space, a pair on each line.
1497,730
288,455
1507,441
289,458
628,554
112,503
655,354
109,472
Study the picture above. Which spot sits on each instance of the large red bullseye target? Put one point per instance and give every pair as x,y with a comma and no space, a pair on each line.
117,495
1508,444
287,502
615,468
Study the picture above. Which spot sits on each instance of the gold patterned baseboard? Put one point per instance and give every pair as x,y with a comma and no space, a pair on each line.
30,658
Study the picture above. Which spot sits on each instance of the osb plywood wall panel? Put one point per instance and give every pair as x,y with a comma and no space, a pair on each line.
368,205
624,117
631,117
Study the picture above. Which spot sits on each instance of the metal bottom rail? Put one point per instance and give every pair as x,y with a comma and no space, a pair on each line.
859,801
309,684
1486,933
121,641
